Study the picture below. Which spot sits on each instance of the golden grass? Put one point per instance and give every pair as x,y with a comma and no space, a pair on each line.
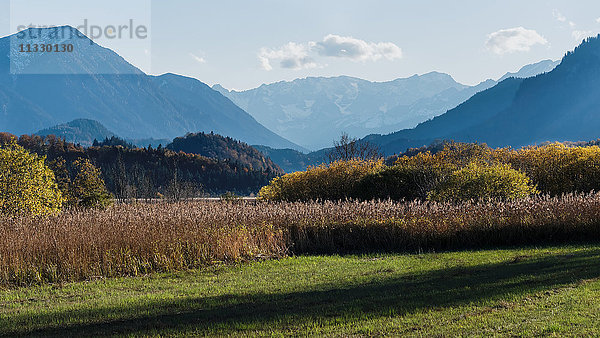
142,238
129,240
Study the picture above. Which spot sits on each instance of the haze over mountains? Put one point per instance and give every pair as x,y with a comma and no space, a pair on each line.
562,105
313,112
531,70
92,82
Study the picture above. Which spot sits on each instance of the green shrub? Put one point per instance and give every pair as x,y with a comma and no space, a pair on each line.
230,196
481,181
88,188
81,184
335,181
27,185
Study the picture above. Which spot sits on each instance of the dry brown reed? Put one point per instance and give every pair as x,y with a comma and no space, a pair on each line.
130,240
142,238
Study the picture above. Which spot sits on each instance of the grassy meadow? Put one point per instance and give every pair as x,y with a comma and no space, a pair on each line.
550,290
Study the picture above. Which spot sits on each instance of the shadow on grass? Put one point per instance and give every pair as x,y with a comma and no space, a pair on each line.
382,296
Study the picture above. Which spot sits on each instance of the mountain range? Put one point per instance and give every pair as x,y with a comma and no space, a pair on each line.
40,90
561,105
313,111
103,95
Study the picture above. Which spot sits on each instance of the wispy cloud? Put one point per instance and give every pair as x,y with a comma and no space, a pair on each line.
512,40
303,55
579,35
198,59
558,15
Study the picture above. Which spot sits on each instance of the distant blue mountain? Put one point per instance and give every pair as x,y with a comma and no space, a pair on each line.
40,90
313,112
532,70
561,105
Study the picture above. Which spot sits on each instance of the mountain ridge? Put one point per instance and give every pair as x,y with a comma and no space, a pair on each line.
129,103
313,111
84,132
560,105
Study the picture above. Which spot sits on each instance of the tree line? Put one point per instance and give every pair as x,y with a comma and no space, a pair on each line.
146,172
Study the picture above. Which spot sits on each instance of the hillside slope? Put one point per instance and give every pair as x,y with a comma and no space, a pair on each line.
224,148
561,105
46,89
81,131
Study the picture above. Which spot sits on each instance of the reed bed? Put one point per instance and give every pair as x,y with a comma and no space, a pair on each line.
133,239
130,239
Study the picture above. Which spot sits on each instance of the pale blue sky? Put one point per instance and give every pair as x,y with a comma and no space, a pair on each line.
223,41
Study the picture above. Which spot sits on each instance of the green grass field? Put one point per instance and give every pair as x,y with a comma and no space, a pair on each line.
527,291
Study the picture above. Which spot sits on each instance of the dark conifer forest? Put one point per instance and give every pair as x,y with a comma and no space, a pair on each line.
155,172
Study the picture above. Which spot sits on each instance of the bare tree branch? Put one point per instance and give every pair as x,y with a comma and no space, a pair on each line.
348,148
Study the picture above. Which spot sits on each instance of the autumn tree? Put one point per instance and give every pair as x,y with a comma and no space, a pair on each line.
27,185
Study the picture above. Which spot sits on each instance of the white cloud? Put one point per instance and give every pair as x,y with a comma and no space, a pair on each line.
580,35
302,55
356,49
558,15
598,20
290,56
511,40
198,59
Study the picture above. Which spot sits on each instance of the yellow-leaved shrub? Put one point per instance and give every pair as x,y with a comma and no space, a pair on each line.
557,168
334,181
482,181
27,185
459,171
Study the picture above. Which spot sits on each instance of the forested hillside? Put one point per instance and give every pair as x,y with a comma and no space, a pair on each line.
151,173
223,148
